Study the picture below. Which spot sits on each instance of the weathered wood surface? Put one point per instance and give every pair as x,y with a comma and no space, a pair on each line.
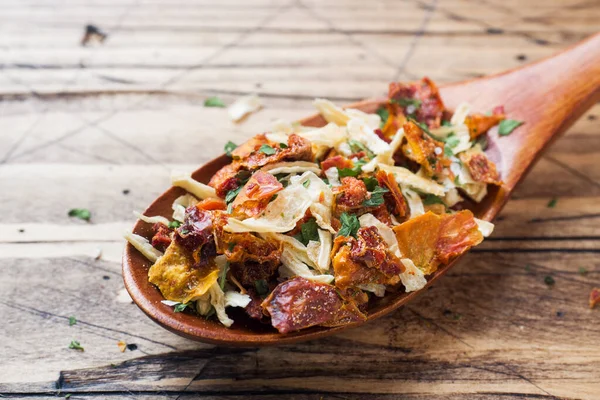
101,126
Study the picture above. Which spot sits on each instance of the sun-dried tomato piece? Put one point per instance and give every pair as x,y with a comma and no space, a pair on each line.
382,214
350,272
431,239
395,121
250,146
479,124
370,249
401,160
394,199
256,194
254,308
594,297
338,161
423,149
226,179
196,230
480,167
249,157
299,303
348,313
350,195
248,272
251,257
458,233
297,149
381,135
196,235
211,204
419,99
162,236
298,228
261,186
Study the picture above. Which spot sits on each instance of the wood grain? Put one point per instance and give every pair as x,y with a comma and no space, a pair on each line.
80,125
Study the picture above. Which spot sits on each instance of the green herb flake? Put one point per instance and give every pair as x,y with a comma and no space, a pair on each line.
210,313
548,280
232,194
268,150
283,146
357,147
376,198
350,225
174,224
432,199
243,176
80,213
507,126
283,179
456,181
344,172
72,321
214,102
75,345
223,276
68,396
452,140
370,182
457,316
262,287
353,172
229,147
424,128
180,307
552,203
384,114
448,151
582,271
446,123
405,102
306,183
309,231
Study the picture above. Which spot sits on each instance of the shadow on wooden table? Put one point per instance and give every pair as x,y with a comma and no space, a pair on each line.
477,324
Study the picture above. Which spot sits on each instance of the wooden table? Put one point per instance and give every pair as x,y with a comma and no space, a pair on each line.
101,126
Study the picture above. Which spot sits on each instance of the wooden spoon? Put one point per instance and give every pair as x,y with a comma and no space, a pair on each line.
548,96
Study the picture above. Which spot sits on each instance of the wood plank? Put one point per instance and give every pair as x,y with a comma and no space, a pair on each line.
459,332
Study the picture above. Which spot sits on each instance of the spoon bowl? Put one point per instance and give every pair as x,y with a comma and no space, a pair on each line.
549,96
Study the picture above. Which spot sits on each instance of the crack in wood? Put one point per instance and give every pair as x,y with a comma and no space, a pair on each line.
429,11
441,328
573,171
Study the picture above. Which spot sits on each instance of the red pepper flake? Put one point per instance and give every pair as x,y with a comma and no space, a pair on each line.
594,297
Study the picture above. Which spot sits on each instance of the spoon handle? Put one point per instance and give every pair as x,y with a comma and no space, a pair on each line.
548,96
566,85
